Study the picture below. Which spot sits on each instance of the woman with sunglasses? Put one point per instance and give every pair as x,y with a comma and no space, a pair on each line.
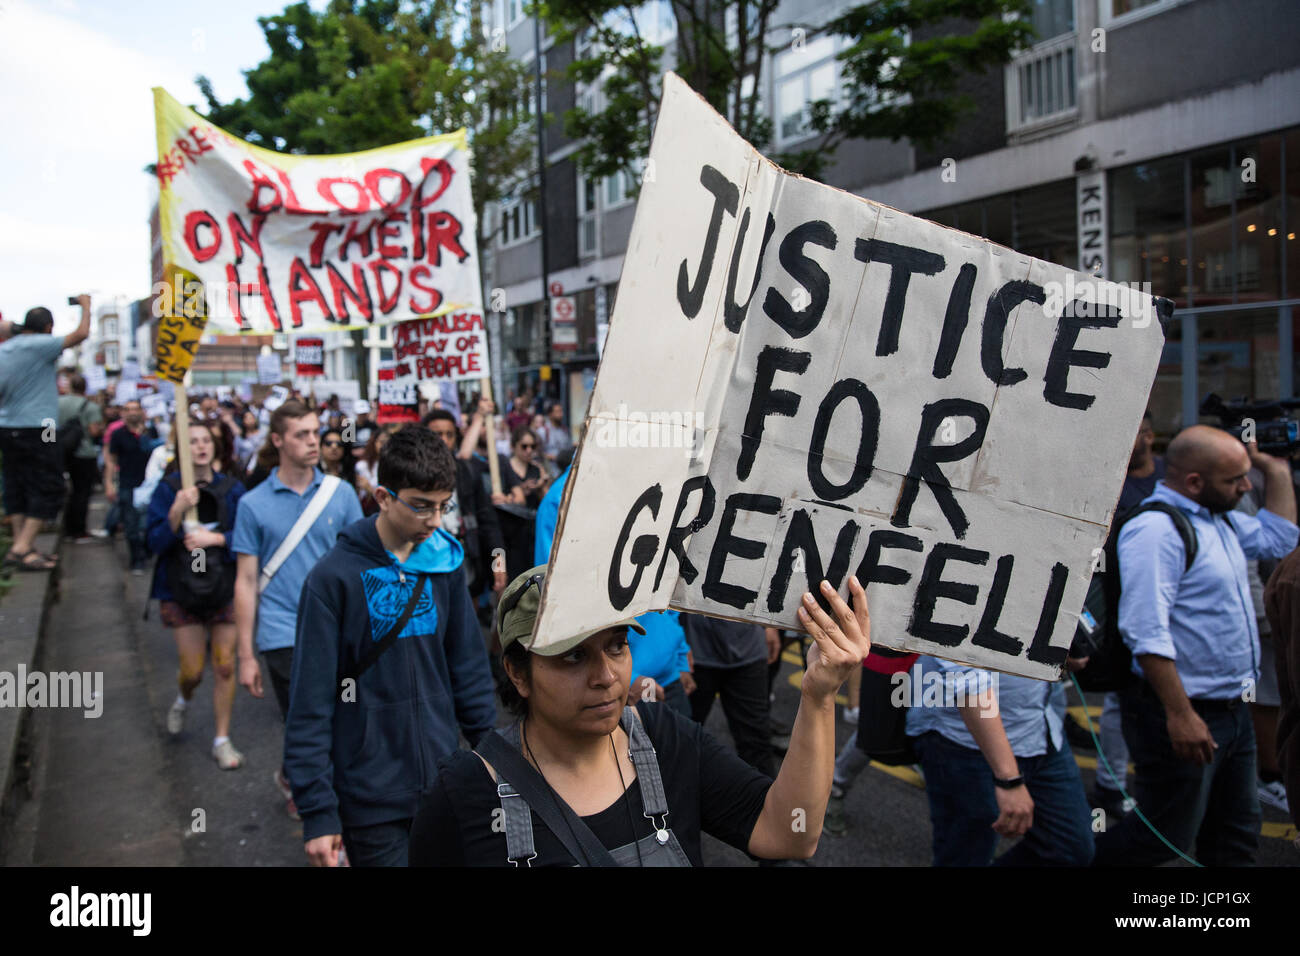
524,485
336,457
584,778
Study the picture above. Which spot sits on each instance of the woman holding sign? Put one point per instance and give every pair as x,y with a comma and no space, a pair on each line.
195,580
593,781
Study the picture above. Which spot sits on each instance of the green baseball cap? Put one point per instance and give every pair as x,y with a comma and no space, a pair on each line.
517,613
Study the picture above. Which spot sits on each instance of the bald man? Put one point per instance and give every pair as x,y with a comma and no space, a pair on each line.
1196,653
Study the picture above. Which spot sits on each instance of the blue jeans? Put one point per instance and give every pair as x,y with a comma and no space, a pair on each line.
1209,812
963,806
133,524
383,844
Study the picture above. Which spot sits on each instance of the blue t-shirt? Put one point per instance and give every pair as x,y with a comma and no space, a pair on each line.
266,516
28,396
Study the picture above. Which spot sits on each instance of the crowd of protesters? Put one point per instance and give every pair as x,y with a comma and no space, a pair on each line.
388,593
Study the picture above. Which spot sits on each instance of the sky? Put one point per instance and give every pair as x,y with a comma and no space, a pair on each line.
76,114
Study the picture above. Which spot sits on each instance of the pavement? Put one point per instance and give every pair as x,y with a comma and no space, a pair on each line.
119,790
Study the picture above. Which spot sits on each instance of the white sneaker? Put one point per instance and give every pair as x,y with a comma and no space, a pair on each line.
851,716
176,718
1274,794
227,757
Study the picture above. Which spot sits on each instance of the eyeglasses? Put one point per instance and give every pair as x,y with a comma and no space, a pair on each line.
526,445
512,602
332,443
446,508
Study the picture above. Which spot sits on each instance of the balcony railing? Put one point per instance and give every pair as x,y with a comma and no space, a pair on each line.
1041,87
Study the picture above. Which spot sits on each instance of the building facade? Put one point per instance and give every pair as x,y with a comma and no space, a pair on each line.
1148,141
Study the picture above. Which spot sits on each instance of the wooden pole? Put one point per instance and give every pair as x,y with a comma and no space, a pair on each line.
494,466
183,450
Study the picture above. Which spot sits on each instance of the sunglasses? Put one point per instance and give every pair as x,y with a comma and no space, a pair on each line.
526,445
446,508
512,602
333,443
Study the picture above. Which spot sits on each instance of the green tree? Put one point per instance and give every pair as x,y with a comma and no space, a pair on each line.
896,87
366,73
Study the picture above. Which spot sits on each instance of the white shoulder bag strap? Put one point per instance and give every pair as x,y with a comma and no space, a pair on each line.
299,530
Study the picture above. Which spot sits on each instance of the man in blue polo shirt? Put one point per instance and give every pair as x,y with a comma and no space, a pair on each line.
1196,651
267,516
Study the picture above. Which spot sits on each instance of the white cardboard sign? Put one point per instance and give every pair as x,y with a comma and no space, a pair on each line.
800,383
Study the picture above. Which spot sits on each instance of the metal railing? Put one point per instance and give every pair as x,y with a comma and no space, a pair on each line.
1041,84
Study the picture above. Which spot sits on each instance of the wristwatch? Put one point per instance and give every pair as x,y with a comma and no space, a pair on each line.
1011,783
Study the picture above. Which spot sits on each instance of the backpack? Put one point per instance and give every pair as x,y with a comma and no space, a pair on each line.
1097,636
70,436
207,585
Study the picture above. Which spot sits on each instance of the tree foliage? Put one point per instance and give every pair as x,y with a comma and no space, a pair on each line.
895,86
366,73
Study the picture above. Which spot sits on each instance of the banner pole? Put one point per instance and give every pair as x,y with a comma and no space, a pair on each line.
489,425
183,449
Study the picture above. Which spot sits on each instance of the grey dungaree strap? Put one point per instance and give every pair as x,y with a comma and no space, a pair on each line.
646,762
519,825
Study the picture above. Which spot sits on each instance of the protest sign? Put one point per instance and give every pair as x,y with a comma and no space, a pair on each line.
801,384
347,390
398,400
155,406
450,398
269,371
277,396
126,391
245,389
448,348
290,243
182,318
309,357
130,371
96,380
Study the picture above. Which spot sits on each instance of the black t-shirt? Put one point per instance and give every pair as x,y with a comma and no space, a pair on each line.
718,643
708,788
509,479
1137,490
132,452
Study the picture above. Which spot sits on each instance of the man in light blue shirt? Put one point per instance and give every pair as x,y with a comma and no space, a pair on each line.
996,763
29,412
266,516
1196,652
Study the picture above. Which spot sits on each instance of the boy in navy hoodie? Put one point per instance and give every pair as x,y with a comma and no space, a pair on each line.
389,663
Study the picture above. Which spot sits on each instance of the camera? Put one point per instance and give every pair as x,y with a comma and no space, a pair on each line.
1275,431
73,300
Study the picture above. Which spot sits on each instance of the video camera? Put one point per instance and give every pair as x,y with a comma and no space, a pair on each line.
1275,431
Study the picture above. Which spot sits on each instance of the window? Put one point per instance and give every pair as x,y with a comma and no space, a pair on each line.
805,74
110,355
518,220
587,216
622,186
514,11
108,328
1118,12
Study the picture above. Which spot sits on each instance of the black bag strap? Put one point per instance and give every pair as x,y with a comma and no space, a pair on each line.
1181,522
388,640
558,816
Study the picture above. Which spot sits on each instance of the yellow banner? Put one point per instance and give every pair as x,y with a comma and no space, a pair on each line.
182,317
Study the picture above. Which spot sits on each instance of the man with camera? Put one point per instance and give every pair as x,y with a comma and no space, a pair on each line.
1192,630
29,412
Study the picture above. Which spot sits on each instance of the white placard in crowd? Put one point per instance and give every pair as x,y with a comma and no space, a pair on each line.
799,383
130,371
275,398
269,371
155,406
96,380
